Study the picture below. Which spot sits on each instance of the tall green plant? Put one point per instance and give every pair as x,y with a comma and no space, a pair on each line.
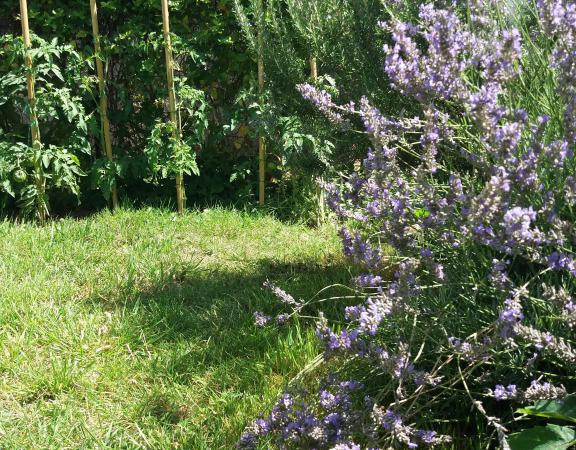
32,171
171,148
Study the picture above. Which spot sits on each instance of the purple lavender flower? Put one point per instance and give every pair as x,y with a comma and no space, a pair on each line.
510,316
560,261
570,190
347,241
351,385
369,280
261,319
498,276
323,101
517,225
346,446
428,437
504,393
381,129
536,391
248,441
281,319
282,295
394,423
390,420
327,399
544,391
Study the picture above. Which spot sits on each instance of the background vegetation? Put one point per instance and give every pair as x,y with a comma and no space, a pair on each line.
222,112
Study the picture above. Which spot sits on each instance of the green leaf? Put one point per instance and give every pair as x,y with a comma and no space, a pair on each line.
564,409
75,159
57,73
550,437
46,160
421,212
7,187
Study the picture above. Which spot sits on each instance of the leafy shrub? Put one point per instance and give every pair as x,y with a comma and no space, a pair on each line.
468,210
168,154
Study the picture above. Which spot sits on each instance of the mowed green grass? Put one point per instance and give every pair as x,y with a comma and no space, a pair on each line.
134,330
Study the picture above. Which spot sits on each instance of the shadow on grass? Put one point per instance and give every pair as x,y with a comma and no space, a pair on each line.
190,302
196,323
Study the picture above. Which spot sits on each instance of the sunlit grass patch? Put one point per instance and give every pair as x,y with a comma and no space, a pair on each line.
135,330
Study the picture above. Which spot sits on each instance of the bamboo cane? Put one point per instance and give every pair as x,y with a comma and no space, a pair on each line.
313,69
103,99
261,140
34,128
319,189
180,196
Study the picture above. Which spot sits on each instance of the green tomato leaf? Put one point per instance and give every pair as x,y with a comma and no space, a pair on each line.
75,159
564,409
550,437
7,187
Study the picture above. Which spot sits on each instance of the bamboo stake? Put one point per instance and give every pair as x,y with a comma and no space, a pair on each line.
313,69
103,99
34,128
261,140
180,194
319,189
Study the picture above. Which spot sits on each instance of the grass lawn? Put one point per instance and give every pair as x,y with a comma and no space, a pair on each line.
135,330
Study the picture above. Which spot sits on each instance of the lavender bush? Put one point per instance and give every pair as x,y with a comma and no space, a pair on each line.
462,220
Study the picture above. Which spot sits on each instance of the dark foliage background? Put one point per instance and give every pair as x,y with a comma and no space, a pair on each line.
213,55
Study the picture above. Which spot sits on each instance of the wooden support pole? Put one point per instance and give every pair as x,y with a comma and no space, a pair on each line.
30,77
34,127
180,194
319,180
261,140
103,98
313,69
